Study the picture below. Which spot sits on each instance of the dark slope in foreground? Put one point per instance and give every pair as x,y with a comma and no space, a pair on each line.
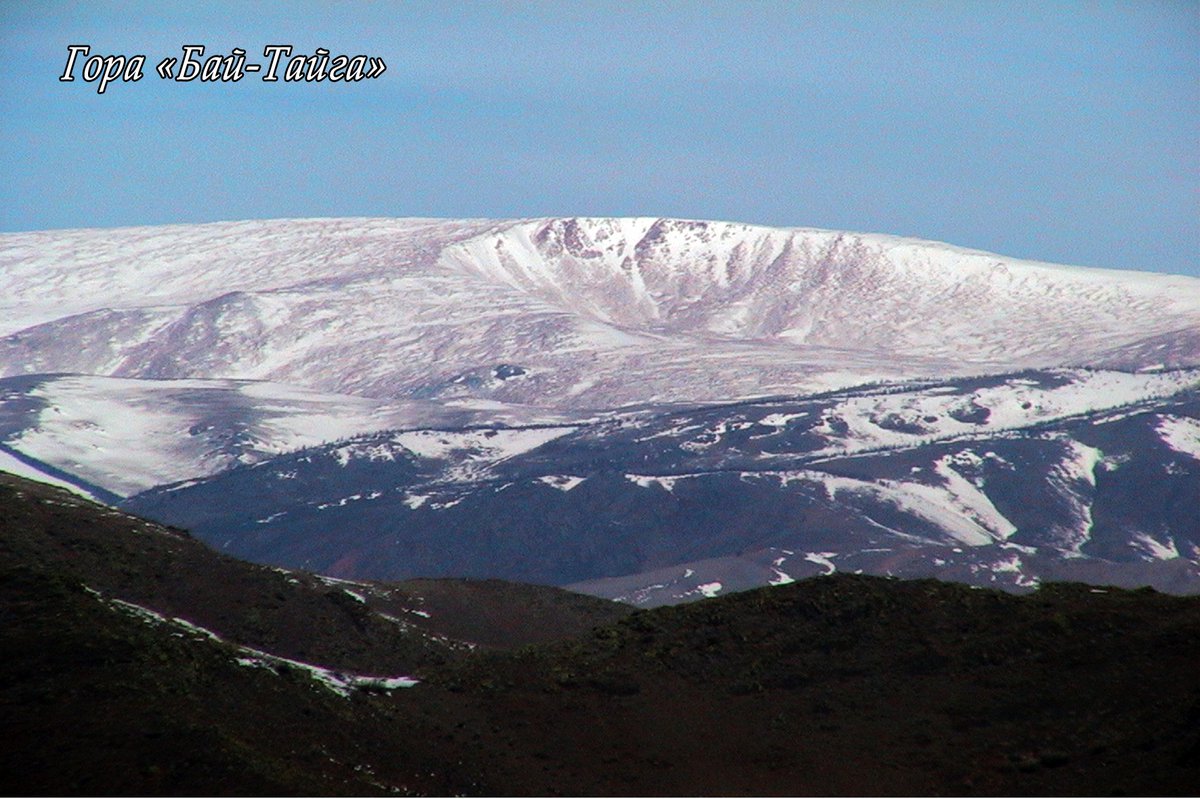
858,685
843,685
294,614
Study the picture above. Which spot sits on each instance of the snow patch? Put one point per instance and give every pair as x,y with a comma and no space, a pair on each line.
1155,549
1013,565
415,501
647,481
968,498
492,444
563,482
470,455
1180,433
780,419
779,577
822,559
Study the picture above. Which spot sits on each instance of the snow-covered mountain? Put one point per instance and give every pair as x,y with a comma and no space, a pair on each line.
567,313
551,399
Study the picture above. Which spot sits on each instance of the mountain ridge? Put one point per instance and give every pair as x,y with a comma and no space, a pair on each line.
416,308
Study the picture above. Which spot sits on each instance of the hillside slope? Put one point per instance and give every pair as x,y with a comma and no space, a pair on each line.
360,626
838,685
841,685
1000,481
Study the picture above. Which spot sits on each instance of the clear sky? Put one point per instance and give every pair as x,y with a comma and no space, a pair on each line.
1066,132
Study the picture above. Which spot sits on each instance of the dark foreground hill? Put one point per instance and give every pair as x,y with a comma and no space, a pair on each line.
137,662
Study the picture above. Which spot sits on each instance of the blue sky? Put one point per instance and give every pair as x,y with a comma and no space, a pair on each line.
1067,132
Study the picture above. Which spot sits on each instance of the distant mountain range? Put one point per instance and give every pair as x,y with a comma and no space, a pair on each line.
648,409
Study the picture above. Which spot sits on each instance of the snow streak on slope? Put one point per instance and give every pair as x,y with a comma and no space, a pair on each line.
956,509
567,313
